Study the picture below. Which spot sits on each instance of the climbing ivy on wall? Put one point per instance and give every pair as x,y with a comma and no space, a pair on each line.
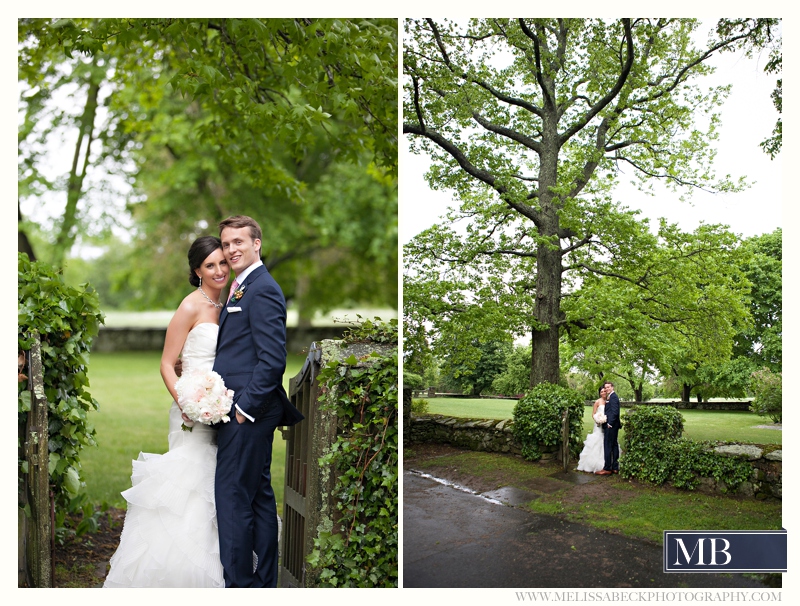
362,548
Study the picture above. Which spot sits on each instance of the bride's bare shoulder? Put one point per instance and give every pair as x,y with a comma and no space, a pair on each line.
188,311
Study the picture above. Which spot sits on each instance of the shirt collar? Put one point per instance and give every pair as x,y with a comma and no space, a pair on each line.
243,276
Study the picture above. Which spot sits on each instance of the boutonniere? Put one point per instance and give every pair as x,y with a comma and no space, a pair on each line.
237,294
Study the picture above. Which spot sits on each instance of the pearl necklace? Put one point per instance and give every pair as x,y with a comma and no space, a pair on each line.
202,292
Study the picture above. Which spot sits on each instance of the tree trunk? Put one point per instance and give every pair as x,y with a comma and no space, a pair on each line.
23,244
638,393
544,355
65,237
304,312
687,393
547,307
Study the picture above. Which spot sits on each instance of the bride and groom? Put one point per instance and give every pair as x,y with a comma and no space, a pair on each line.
600,454
204,514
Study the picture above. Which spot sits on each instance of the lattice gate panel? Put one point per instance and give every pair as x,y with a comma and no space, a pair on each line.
294,543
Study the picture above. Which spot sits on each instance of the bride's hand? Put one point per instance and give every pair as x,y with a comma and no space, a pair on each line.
184,417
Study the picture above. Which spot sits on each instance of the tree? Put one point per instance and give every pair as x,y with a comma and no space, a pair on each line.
265,80
476,374
290,120
762,342
45,77
768,387
674,306
530,122
516,376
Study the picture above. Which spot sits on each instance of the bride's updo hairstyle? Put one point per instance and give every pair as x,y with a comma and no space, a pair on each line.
198,252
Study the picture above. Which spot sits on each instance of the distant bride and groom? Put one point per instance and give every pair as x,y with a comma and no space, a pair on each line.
600,454
204,513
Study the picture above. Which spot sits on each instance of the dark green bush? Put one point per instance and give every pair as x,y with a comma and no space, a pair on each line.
537,419
655,451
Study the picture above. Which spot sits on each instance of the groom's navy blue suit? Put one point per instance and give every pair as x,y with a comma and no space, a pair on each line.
611,433
251,358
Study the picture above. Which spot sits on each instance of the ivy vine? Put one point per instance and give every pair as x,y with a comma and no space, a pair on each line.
67,319
362,549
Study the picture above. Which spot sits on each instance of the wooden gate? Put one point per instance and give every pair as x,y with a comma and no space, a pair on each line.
295,539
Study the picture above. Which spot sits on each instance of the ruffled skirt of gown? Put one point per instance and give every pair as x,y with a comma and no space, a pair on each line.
592,456
170,534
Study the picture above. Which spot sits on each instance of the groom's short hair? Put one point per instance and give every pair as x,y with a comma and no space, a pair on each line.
608,383
240,221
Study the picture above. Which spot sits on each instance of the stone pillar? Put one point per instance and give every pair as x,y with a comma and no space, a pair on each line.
406,416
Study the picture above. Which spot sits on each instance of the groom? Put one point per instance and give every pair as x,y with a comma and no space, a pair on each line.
611,432
251,358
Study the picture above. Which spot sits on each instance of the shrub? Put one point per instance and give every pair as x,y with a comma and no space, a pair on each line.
768,401
651,433
67,319
655,451
419,406
537,419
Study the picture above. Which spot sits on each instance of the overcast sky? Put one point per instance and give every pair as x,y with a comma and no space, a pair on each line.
748,117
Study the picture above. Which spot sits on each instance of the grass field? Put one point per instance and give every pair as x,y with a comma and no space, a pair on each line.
133,417
699,424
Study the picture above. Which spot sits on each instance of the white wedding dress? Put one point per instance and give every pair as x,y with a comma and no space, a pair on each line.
592,456
170,534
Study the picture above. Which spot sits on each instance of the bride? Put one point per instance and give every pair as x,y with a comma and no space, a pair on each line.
592,456
170,534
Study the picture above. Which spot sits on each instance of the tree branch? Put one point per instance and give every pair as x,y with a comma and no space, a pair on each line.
531,144
600,105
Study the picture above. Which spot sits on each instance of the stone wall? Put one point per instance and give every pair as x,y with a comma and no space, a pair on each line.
490,435
152,339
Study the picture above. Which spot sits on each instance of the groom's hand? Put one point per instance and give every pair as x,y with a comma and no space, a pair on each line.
240,417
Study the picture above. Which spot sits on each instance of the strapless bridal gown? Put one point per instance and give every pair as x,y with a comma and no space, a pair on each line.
170,534
592,456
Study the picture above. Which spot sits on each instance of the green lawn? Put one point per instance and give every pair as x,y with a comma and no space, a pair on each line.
699,424
133,417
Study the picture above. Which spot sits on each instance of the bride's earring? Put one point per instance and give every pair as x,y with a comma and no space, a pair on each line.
201,282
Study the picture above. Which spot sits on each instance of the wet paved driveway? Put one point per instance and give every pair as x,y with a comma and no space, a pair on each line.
454,538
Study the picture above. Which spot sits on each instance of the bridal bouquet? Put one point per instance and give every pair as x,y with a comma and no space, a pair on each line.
203,397
599,418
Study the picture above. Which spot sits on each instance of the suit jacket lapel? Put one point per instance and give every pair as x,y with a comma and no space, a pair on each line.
223,314
252,276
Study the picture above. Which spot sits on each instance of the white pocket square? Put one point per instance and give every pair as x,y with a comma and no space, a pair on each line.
234,309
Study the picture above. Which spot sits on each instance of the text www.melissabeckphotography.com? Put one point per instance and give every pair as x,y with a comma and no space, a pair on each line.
648,596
